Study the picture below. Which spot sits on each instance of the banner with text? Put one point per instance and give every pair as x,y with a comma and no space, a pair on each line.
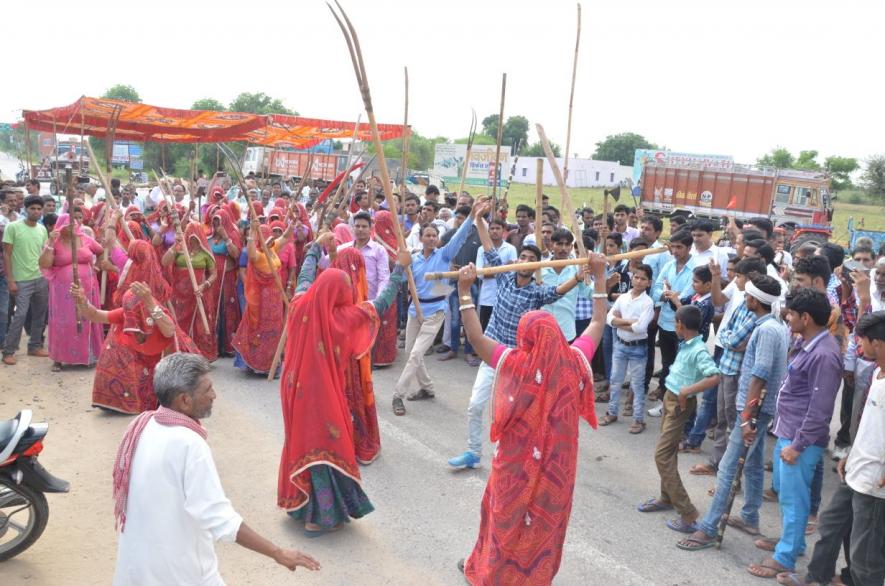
448,163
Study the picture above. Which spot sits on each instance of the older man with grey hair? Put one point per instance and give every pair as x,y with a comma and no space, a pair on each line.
169,503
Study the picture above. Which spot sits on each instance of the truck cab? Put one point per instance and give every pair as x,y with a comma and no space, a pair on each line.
801,197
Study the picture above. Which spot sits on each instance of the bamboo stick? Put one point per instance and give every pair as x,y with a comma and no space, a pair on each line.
75,274
170,201
498,140
539,202
359,67
571,99
531,266
470,136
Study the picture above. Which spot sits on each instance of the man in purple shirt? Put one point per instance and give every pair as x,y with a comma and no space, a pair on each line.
377,263
804,409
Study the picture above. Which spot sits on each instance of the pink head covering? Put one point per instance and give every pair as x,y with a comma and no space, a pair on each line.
343,234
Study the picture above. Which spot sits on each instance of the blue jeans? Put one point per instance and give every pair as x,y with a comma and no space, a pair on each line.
455,322
754,477
628,359
4,308
817,485
706,412
793,485
607,349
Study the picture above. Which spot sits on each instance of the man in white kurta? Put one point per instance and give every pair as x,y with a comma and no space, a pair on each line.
176,509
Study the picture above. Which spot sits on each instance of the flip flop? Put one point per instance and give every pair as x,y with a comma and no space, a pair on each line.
420,395
810,527
766,543
793,579
769,568
398,407
695,544
740,525
681,526
652,506
702,470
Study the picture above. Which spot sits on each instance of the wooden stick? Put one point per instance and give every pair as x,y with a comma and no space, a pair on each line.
567,207
531,266
170,201
498,140
75,274
109,195
571,99
470,136
539,202
359,67
512,171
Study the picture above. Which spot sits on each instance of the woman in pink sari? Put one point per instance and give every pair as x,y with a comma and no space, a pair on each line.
384,352
66,344
226,244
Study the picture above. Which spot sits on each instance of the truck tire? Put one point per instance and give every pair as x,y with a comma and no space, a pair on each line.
812,237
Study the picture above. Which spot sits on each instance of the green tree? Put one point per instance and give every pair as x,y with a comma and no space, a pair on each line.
840,170
536,150
490,125
516,130
208,104
259,103
124,92
621,147
873,178
779,157
807,160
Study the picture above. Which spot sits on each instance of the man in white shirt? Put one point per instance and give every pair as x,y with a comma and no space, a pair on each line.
427,216
489,290
703,249
170,505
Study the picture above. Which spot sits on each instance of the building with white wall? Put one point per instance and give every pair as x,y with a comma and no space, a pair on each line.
581,172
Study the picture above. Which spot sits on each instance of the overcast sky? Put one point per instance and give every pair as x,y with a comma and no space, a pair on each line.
703,76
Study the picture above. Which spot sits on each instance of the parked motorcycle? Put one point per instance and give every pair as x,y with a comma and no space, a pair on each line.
23,482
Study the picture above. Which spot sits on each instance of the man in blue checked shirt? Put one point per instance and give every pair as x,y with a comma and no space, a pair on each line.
420,335
517,294
673,282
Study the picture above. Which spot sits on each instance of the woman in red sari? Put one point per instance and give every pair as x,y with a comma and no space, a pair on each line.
184,300
384,352
225,244
358,373
319,481
262,324
541,390
142,330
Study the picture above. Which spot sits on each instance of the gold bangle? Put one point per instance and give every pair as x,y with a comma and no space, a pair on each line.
467,298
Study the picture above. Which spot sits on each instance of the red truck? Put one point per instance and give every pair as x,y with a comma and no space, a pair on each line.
796,200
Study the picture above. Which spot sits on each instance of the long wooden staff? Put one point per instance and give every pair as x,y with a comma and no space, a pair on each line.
512,170
567,207
499,138
359,68
404,167
555,264
571,99
264,248
75,273
470,136
170,202
539,202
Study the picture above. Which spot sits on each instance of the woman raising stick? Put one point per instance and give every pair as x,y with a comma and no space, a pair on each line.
541,390
319,481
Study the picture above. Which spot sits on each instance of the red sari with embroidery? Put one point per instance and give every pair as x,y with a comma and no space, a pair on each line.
262,324
184,302
384,351
358,386
124,374
226,309
541,390
326,330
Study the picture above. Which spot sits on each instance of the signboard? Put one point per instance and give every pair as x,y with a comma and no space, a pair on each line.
45,144
126,153
448,163
677,159
291,164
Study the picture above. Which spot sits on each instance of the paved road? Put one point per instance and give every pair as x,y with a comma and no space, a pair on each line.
426,515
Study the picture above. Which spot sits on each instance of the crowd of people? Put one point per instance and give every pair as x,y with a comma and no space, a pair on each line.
752,342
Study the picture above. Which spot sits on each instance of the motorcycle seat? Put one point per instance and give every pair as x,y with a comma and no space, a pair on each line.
7,430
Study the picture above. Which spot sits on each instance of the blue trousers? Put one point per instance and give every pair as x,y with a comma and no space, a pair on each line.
793,486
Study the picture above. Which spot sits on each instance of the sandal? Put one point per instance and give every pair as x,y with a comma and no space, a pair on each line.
741,525
810,527
687,448
636,427
653,505
769,496
628,410
420,395
56,367
793,579
768,568
695,542
681,526
608,419
766,544
398,407
603,398
472,361
702,470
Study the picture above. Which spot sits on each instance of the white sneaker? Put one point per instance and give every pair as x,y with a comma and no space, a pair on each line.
839,453
656,411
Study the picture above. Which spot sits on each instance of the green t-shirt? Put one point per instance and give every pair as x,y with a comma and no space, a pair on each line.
27,244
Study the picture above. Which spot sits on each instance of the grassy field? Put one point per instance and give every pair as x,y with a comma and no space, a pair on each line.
873,215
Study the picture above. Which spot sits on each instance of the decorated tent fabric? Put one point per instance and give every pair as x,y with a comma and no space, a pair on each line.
143,122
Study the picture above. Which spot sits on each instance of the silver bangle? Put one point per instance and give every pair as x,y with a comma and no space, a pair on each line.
600,296
467,306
